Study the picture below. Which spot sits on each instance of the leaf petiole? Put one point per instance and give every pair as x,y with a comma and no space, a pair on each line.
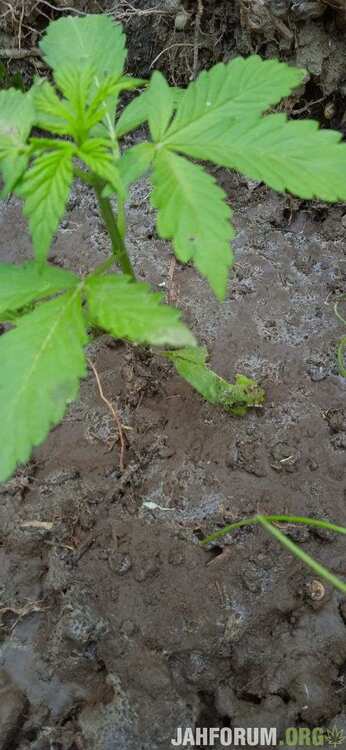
118,246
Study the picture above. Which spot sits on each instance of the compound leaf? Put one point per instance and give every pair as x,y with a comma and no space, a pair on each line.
42,361
45,190
190,363
292,155
192,212
130,310
241,89
17,117
20,285
93,41
76,84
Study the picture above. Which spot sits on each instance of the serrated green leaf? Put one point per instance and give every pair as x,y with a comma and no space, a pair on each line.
52,114
45,190
191,364
97,155
160,105
134,115
17,117
241,89
92,41
13,168
104,102
135,162
130,310
137,112
106,126
75,84
42,362
288,155
193,213
20,285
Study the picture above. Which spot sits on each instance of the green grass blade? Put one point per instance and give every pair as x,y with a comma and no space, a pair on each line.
267,523
341,356
274,519
336,309
298,552
227,529
305,520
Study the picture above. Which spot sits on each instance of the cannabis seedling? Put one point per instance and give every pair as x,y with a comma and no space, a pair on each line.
49,312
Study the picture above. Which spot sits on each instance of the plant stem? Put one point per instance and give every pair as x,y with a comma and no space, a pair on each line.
274,519
118,245
268,523
307,559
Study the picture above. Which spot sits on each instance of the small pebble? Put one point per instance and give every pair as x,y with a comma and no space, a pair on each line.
316,590
119,563
318,373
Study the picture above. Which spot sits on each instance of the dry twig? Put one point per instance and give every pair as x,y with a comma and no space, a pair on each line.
12,53
171,291
171,46
198,18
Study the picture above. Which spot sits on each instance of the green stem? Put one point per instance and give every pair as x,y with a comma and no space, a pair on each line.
274,519
118,245
307,559
268,523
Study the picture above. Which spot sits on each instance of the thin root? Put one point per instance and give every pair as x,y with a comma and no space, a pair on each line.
198,18
114,414
19,54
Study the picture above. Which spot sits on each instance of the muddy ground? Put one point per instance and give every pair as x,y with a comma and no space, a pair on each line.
117,627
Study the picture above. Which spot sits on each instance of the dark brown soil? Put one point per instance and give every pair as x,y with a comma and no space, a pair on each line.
116,625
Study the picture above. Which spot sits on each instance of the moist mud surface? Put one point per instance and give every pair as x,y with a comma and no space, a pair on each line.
116,625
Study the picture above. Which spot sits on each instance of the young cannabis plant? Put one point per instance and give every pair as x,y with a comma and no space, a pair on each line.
219,118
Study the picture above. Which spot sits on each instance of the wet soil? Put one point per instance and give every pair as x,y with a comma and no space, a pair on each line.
117,626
